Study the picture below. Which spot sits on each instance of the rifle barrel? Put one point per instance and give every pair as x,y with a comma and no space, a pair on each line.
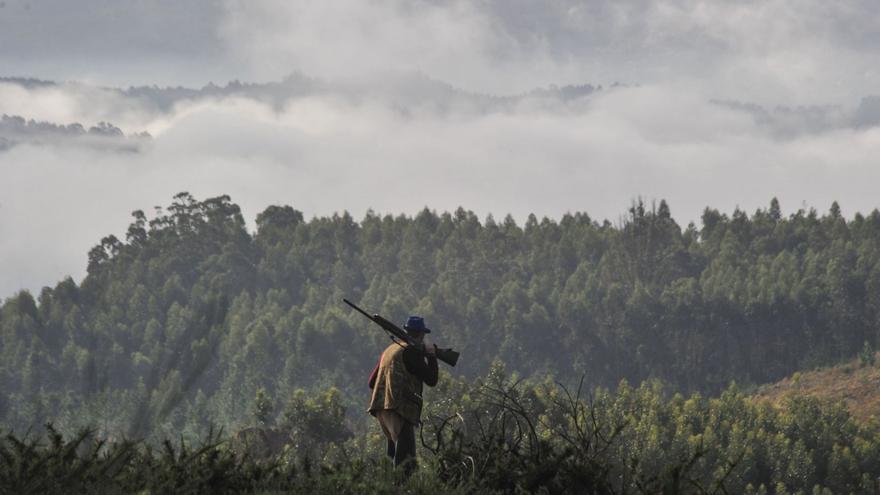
448,356
355,306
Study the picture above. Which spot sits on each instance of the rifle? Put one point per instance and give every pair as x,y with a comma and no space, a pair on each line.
396,333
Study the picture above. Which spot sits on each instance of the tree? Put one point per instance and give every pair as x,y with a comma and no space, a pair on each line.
262,407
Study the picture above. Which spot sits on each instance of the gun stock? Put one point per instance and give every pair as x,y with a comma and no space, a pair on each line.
448,356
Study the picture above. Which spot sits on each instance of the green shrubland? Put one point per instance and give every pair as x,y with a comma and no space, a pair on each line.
498,434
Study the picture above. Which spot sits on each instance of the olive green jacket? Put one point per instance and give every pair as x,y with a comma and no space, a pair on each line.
396,388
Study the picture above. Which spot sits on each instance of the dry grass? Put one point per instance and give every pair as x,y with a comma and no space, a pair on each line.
856,385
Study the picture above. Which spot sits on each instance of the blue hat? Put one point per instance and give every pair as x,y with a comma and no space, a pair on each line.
417,324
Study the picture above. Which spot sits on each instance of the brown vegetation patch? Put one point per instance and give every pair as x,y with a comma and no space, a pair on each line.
855,384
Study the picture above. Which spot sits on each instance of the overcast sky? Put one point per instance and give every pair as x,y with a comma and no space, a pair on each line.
725,104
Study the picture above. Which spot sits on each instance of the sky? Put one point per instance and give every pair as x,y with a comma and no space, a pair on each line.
398,105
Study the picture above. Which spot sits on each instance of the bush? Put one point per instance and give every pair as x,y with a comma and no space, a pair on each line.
500,435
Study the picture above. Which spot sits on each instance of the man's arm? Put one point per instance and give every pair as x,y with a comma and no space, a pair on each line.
417,365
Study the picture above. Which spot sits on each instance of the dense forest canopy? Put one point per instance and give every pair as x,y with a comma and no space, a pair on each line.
182,322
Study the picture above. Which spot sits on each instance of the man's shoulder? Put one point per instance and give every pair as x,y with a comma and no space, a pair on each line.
411,355
394,349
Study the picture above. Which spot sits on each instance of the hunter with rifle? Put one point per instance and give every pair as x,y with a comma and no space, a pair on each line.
396,383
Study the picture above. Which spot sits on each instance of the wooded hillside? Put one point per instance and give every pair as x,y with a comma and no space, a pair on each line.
188,316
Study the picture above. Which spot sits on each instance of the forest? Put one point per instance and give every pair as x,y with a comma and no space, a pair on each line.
193,324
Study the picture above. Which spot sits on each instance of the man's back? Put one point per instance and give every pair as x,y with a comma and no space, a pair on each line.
396,387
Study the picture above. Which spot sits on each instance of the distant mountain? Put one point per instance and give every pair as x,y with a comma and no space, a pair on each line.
416,92
27,82
868,113
405,91
405,94
788,122
16,130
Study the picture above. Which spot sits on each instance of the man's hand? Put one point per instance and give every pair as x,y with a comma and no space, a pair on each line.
431,350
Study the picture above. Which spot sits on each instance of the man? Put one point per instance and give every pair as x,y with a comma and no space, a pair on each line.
396,382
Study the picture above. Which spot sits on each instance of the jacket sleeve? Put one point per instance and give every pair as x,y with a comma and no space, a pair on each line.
423,367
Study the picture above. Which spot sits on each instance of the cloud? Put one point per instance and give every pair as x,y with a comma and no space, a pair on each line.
354,38
112,41
341,147
767,51
74,102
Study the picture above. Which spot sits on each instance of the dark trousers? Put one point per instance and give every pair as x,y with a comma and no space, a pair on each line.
404,452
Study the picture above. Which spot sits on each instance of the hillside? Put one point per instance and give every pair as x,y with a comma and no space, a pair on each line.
183,322
853,384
